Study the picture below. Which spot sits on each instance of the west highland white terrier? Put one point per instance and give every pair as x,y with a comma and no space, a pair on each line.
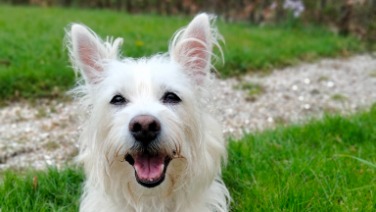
149,141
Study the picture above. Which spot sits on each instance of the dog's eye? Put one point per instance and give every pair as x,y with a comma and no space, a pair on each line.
118,100
170,98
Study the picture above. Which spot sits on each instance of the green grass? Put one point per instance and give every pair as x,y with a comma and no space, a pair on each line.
326,165
251,48
52,190
33,62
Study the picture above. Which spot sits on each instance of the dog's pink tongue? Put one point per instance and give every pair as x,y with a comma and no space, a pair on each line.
149,168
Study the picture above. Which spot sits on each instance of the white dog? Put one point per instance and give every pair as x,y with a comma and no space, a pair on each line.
149,142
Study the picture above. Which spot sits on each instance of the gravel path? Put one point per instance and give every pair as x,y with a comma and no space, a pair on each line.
45,133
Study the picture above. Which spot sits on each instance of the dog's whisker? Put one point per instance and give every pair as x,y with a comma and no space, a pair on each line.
106,156
118,150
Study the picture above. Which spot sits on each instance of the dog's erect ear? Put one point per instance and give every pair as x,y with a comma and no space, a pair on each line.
89,53
192,47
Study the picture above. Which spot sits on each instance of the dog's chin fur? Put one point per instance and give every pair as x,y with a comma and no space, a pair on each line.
190,137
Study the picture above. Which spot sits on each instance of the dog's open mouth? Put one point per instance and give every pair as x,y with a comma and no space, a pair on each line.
150,170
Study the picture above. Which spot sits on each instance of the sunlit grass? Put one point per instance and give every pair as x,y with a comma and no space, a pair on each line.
326,165
51,190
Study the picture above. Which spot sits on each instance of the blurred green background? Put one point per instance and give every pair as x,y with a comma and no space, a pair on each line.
259,35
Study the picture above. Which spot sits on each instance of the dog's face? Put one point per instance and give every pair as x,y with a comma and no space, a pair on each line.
146,108
145,111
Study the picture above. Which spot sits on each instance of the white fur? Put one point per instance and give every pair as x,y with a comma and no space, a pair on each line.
193,179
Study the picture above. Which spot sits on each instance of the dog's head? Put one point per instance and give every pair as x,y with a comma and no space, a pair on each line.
148,111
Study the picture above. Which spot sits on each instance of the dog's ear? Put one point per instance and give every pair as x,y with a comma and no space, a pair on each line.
192,47
89,53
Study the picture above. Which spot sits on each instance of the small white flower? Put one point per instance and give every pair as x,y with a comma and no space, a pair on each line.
296,6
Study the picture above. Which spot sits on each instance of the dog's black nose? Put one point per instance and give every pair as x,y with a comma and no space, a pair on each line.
144,128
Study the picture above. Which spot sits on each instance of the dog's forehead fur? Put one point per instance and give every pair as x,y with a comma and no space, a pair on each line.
143,82
145,78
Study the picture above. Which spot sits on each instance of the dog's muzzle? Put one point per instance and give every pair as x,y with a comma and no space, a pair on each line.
150,165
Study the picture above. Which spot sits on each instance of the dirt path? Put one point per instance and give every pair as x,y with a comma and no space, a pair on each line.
46,133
